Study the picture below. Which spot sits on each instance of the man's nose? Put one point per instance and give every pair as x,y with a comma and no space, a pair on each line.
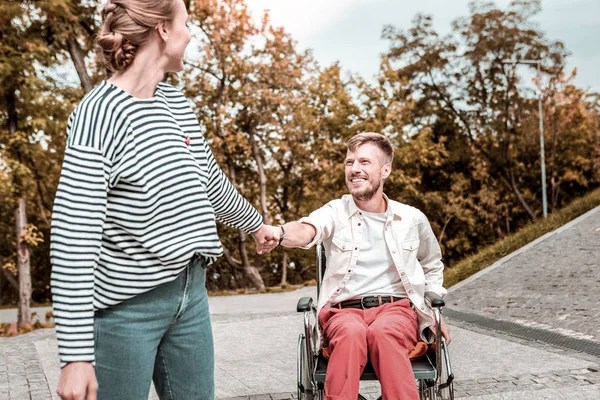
355,167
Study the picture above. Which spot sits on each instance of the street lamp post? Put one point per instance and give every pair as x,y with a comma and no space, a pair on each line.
542,155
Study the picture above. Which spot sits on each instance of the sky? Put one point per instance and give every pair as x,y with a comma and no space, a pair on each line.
349,31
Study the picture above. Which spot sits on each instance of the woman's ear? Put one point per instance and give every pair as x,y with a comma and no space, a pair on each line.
161,29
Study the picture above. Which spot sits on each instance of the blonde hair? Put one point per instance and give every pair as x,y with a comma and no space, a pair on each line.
126,25
379,140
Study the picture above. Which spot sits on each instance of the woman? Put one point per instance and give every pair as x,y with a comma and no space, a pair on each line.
133,225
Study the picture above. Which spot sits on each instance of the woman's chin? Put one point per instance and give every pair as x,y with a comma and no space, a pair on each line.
175,67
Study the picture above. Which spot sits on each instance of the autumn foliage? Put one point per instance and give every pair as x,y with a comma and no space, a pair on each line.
465,124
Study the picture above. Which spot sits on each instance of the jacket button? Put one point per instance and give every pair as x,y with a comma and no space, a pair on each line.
394,251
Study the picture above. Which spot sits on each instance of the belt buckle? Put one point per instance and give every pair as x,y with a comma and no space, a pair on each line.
362,302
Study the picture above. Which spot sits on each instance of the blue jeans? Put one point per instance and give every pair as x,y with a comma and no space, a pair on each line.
164,336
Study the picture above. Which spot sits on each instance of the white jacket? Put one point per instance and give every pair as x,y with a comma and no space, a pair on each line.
409,238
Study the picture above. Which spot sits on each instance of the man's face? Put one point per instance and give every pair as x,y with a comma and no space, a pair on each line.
366,169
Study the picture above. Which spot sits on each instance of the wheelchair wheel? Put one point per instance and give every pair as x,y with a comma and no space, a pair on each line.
305,390
427,389
445,383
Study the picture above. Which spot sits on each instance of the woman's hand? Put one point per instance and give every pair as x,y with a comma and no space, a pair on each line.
78,382
267,238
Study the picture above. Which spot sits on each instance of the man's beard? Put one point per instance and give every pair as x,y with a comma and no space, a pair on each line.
368,193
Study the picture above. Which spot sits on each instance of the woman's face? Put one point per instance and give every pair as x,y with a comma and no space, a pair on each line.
179,37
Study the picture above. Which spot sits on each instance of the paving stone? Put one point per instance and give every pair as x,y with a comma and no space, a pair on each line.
505,378
486,380
254,366
281,396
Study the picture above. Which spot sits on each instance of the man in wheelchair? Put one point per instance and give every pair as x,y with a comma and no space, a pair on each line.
382,257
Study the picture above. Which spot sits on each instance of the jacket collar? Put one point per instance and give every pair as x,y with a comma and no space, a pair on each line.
392,207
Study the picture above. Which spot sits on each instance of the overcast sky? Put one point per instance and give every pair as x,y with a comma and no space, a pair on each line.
349,31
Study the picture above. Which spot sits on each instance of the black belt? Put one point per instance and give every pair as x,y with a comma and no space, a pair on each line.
367,302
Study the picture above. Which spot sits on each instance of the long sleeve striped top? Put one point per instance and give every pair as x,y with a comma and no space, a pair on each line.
139,194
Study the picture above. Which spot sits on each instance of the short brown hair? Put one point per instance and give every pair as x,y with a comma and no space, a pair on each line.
126,25
377,139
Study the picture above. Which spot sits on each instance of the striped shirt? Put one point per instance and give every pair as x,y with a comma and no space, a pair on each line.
137,198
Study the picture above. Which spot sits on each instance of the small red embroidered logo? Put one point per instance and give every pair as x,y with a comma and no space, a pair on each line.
188,141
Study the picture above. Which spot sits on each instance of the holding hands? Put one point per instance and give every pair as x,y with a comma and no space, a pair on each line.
267,238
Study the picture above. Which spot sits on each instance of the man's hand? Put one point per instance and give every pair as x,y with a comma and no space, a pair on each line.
78,382
267,238
445,331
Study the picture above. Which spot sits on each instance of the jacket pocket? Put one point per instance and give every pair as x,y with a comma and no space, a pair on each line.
341,244
340,251
409,250
410,245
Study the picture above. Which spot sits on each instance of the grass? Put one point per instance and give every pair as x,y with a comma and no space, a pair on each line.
489,255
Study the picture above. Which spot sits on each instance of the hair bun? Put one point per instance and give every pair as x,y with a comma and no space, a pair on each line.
127,25
117,51
108,10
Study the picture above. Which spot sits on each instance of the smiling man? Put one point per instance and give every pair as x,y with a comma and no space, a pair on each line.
382,257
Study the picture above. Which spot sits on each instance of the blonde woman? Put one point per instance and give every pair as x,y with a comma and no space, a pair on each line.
134,221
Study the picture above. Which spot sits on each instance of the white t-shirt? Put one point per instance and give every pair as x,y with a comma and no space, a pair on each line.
375,272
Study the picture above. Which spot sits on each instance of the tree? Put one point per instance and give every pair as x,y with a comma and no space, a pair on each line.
19,53
459,87
33,112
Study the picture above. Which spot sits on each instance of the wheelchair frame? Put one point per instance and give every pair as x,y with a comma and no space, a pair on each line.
433,371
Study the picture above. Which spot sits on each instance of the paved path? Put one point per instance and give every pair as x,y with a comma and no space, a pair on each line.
10,314
551,285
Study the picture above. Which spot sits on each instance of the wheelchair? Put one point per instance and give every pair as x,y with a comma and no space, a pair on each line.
432,371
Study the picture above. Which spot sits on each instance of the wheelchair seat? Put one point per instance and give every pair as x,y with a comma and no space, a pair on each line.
422,369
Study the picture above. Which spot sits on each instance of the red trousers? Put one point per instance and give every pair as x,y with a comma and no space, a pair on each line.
384,335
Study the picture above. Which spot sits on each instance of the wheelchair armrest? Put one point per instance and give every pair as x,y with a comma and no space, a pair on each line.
304,304
435,299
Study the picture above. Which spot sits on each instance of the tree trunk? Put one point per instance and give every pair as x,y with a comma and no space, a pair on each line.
284,265
520,197
250,270
23,266
441,237
79,62
262,179
555,190
10,278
